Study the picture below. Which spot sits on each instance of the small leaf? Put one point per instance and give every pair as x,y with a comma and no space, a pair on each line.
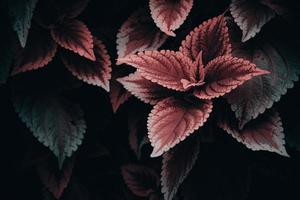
176,165
224,74
92,72
138,33
171,121
166,68
141,180
38,52
21,13
170,15
72,8
211,37
250,16
75,36
264,133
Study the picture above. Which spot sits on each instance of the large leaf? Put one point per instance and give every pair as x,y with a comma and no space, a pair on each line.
250,16
176,165
211,37
38,52
166,68
74,35
21,13
92,72
169,15
139,33
264,133
141,180
224,74
172,120
54,121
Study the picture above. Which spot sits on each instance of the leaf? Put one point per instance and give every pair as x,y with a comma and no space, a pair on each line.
21,13
55,184
211,37
38,52
166,68
143,89
176,165
172,120
264,133
96,72
54,121
138,33
224,74
169,15
72,8
141,180
75,36
250,16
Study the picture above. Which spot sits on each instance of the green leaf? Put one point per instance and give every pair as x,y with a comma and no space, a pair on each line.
54,121
21,12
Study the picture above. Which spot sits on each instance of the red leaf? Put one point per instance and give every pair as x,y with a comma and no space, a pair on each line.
75,36
141,180
211,37
264,133
250,16
92,72
55,184
144,89
176,165
166,68
224,74
169,15
139,33
171,121
38,52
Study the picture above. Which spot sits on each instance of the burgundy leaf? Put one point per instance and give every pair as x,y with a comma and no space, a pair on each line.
92,72
224,74
144,89
176,165
72,8
264,133
171,121
138,33
75,36
166,68
38,52
141,180
169,14
250,16
211,37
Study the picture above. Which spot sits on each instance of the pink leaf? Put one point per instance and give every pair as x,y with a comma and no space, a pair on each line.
96,72
141,180
264,133
224,74
211,37
139,33
171,121
75,36
38,52
169,15
144,89
250,16
166,68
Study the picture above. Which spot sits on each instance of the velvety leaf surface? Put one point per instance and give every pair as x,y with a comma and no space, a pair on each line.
176,165
139,33
169,15
141,180
96,72
250,16
166,68
211,37
172,120
74,35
